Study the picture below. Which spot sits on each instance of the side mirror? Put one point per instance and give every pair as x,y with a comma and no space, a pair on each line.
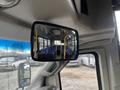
50,42
24,75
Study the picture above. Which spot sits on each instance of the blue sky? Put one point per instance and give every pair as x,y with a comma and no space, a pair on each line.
14,45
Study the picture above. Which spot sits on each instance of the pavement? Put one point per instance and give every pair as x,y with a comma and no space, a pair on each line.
72,78
79,78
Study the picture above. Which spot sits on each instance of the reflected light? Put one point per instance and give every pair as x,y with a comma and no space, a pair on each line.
117,15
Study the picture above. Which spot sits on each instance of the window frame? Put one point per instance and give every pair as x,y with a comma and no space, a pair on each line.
97,70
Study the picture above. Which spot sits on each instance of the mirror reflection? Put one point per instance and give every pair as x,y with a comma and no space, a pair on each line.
54,43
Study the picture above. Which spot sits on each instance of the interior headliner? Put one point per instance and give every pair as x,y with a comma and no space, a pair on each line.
31,10
61,12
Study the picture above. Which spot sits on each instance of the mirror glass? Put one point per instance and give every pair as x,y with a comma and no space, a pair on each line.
51,42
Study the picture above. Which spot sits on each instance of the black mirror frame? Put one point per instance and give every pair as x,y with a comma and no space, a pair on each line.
51,24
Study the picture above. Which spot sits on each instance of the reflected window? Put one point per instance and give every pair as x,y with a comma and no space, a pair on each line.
58,42
41,43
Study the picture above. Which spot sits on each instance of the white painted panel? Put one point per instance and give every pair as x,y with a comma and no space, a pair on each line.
14,32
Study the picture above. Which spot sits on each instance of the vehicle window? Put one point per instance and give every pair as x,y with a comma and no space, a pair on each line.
117,16
48,42
44,43
7,59
80,74
41,40
10,59
3,60
14,54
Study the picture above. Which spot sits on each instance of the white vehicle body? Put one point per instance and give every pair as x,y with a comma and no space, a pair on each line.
17,63
88,61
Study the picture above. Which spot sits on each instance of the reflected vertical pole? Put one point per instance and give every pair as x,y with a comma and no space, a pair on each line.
23,88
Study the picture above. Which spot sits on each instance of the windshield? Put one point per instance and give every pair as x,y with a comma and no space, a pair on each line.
17,55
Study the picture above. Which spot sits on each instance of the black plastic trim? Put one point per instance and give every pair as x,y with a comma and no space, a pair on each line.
97,69
73,1
60,81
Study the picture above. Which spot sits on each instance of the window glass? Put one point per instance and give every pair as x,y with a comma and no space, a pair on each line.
117,15
45,43
41,43
48,42
15,58
80,74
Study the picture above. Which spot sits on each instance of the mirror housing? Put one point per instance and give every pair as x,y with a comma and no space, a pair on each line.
51,42
24,75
